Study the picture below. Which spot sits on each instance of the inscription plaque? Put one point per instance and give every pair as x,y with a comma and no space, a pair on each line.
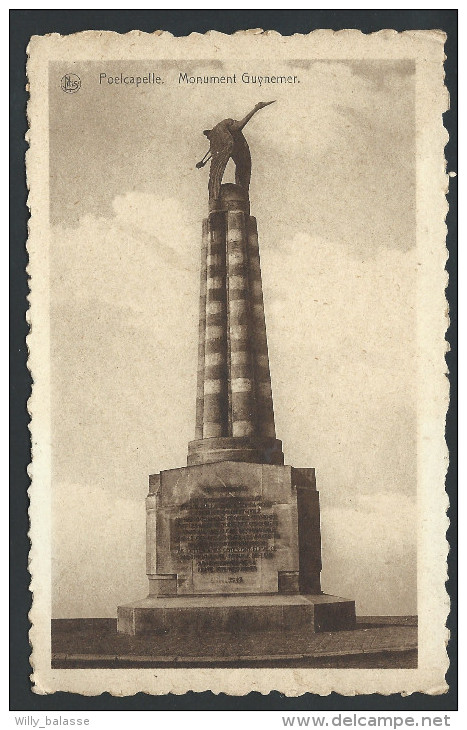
224,534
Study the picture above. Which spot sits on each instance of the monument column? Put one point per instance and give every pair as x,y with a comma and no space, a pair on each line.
215,389
243,416
234,408
264,403
201,335
233,539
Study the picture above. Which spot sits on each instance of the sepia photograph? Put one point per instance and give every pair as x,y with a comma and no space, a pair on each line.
237,252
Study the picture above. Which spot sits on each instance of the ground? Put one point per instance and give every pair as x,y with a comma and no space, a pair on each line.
378,641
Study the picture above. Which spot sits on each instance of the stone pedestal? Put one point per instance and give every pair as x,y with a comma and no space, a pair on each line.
235,544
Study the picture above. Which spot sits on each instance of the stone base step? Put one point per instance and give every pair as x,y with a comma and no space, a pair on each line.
252,612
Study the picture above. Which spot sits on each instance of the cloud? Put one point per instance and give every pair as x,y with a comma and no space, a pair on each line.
98,555
341,333
340,158
125,258
369,553
163,220
334,108
124,341
345,306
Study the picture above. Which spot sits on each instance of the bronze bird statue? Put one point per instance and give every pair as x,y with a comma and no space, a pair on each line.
227,141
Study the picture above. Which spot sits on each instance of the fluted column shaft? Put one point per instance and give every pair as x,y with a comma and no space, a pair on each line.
215,409
202,334
234,408
242,384
264,402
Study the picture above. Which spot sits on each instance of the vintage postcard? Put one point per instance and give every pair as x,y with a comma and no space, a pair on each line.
237,310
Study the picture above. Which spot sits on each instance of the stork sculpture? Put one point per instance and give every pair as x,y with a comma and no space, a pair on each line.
227,141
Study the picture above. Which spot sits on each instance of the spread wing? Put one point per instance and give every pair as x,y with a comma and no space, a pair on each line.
242,158
222,144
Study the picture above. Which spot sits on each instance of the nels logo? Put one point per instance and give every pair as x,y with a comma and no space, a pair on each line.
70,83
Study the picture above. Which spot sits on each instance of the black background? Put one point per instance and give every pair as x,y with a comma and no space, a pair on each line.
23,24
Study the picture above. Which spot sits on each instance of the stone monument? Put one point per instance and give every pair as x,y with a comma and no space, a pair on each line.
233,538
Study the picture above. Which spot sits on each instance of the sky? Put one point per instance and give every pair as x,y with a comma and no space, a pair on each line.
333,190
